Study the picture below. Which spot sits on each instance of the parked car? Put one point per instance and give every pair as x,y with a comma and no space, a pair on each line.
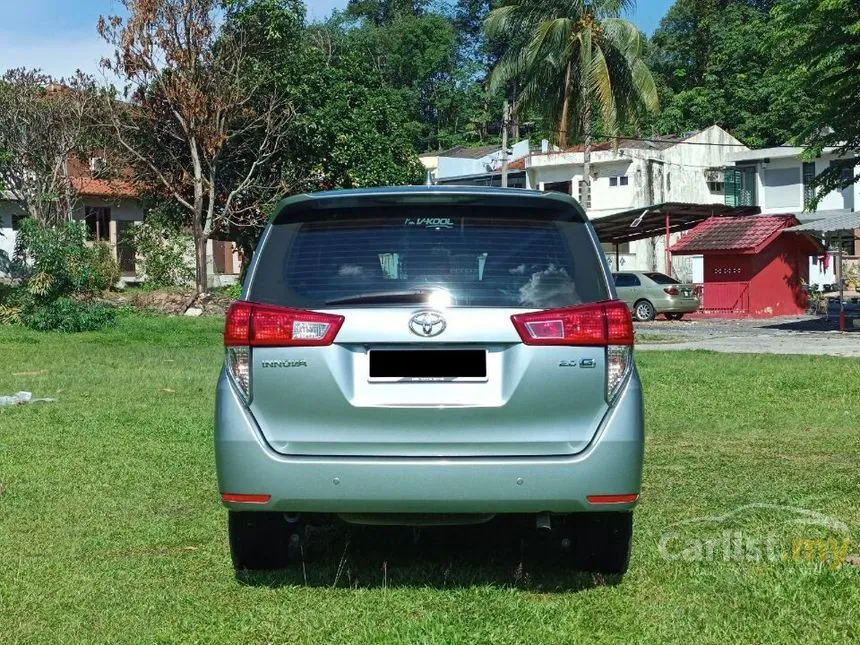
429,355
649,293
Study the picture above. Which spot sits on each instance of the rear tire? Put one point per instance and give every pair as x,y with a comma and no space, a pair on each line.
674,316
258,541
602,541
644,311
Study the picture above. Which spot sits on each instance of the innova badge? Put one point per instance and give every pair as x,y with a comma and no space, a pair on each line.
427,323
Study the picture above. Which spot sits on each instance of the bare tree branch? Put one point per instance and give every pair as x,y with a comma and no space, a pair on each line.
197,124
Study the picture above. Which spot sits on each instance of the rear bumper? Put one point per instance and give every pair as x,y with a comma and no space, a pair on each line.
679,306
610,465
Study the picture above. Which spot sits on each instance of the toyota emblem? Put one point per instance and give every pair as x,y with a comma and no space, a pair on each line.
427,324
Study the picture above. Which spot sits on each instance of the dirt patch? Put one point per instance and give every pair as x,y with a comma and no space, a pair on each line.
172,302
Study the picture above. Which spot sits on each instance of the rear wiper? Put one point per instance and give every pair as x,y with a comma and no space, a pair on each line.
419,296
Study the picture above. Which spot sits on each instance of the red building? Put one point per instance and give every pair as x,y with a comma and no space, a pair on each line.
751,266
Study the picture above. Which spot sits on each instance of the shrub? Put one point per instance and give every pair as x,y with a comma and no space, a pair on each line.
61,276
162,250
67,315
9,315
58,262
106,264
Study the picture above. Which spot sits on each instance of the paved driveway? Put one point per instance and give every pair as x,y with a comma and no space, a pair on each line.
791,335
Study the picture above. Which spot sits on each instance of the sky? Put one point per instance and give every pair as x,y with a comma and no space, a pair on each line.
59,36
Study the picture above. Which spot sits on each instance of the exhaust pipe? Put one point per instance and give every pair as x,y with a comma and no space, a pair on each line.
543,523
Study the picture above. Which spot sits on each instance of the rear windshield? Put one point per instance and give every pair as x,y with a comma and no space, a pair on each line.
408,258
662,278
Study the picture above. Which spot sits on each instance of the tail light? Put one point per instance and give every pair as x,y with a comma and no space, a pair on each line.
602,324
251,325
672,291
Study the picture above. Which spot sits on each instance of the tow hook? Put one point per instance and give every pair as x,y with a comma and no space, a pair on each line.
543,523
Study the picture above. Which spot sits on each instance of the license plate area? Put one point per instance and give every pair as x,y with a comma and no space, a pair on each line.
427,365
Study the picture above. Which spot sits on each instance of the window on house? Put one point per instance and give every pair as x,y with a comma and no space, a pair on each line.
98,223
613,181
739,186
623,180
808,176
619,180
716,186
558,187
846,243
584,202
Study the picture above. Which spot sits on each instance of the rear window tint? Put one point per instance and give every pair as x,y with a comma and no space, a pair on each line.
662,278
480,260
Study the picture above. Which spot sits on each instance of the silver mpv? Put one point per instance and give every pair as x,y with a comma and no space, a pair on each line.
425,356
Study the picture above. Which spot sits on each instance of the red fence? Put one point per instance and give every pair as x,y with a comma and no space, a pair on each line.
725,297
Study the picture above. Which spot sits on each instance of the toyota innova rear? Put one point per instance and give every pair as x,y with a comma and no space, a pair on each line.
421,355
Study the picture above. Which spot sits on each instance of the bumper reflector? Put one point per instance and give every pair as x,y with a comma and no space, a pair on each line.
239,498
613,499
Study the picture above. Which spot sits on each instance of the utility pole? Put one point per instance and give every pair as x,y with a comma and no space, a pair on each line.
506,118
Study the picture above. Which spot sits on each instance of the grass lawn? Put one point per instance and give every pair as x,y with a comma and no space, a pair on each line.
111,528
650,337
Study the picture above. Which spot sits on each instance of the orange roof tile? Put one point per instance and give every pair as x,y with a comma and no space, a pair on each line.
88,187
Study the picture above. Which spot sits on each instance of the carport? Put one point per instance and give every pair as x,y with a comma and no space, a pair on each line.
833,229
660,219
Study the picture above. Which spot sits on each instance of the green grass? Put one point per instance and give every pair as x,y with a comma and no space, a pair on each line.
111,529
646,337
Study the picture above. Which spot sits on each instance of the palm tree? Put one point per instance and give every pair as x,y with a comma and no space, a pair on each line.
569,57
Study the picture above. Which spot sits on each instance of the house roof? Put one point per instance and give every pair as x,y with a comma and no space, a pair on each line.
461,152
805,217
116,188
650,221
778,152
745,235
653,144
838,222
662,142
117,185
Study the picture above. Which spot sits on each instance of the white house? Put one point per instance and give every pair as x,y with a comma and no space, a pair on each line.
778,180
109,207
480,166
640,173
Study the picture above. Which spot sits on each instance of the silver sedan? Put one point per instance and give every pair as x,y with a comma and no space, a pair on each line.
649,293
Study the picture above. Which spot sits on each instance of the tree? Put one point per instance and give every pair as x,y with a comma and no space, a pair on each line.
819,43
200,125
350,128
383,12
575,56
715,64
417,57
44,125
